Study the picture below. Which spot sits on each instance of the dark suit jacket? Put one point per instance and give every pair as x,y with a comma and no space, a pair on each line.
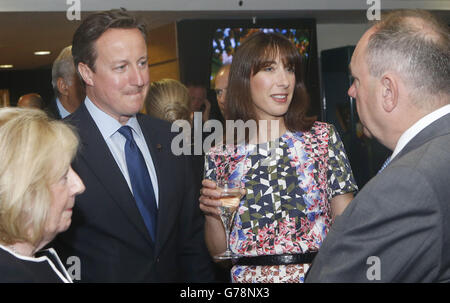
396,229
52,110
107,231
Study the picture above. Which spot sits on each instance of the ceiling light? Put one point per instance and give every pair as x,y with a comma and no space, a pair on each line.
6,66
42,53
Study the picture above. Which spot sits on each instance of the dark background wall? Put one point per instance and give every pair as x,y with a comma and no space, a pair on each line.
27,81
366,155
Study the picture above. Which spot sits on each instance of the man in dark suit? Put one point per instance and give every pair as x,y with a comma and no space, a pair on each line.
67,86
122,231
396,229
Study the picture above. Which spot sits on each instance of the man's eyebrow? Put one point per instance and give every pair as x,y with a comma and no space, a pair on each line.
119,61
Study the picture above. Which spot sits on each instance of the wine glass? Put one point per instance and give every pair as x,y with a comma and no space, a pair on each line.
225,165
230,198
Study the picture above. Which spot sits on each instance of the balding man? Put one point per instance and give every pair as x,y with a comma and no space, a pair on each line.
67,86
396,229
221,85
32,100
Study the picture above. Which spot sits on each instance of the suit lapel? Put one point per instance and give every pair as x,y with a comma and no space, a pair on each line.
436,129
159,149
97,156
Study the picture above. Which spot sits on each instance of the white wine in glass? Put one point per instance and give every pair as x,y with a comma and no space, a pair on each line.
230,198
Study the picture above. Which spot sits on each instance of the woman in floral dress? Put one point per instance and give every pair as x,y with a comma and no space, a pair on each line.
293,191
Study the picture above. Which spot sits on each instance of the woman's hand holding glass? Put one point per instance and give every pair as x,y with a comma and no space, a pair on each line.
222,199
210,195
210,198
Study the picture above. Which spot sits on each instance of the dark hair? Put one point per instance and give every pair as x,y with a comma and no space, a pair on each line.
255,53
83,49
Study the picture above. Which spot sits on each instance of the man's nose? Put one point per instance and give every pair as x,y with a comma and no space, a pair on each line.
138,76
351,91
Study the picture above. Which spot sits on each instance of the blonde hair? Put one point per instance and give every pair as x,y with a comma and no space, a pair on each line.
168,100
35,152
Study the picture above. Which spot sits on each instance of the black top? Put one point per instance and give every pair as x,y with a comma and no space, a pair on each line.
47,268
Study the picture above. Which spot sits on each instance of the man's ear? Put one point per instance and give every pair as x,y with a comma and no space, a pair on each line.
63,88
389,93
86,73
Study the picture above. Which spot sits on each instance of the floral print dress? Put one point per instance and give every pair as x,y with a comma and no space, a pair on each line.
287,206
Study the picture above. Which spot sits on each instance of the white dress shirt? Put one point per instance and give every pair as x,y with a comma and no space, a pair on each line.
417,127
109,127
62,111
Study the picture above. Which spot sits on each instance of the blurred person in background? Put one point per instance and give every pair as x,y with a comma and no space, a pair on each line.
67,86
198,101
168,100
32,100
221,86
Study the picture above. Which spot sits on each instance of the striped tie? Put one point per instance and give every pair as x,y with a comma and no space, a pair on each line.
386,163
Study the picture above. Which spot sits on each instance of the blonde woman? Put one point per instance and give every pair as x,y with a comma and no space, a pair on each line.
168,100
37,194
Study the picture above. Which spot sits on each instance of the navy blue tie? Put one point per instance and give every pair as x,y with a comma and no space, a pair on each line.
140,182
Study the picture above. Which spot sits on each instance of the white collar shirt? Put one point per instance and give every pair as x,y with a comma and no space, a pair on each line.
417,127
63,112
109,127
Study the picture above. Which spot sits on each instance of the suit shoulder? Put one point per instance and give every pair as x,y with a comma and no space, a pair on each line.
75,117
430,158
154,123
